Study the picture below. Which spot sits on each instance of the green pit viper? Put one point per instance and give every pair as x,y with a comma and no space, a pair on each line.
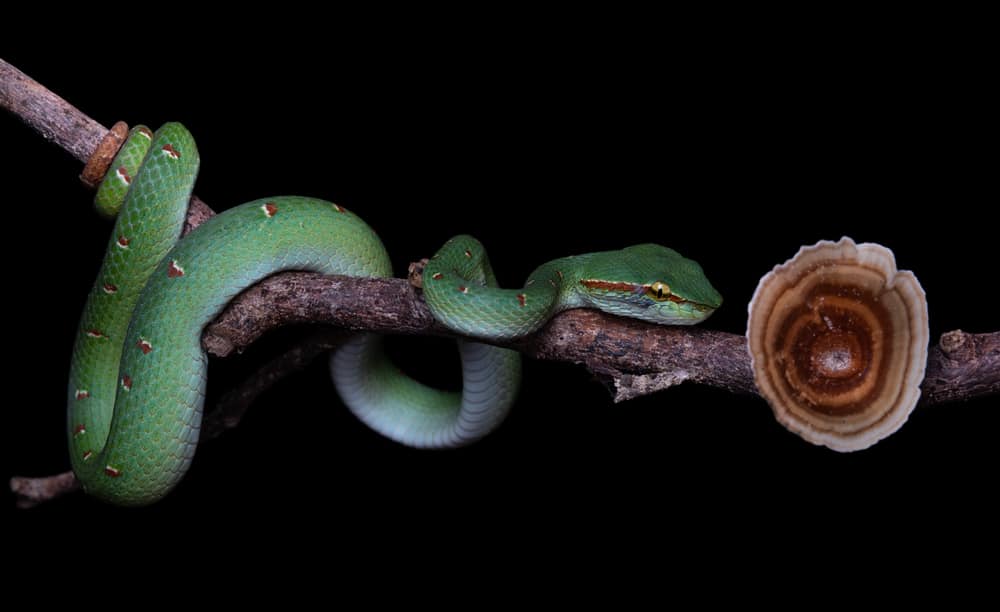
137,378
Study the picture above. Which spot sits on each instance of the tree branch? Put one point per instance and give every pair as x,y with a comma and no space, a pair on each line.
632,357
635,358
59,122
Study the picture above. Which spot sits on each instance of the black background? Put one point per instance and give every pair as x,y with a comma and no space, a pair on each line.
735,150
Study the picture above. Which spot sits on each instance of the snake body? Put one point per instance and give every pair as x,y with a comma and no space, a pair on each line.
137,378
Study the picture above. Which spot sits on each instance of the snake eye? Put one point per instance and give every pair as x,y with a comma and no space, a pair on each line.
659,291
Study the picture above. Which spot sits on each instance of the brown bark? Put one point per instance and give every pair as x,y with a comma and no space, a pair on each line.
52,117
636,358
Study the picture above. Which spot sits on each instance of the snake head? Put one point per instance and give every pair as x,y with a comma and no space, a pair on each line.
652,283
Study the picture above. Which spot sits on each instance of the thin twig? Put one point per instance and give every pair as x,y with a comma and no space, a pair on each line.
61,123
29,492
230,409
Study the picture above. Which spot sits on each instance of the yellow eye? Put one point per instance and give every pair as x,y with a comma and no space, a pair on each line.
658,291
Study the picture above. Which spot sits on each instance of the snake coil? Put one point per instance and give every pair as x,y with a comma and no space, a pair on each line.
137,377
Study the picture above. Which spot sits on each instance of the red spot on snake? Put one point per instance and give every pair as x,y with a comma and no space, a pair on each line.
95,333
127,382
171,152
123,176
112,472
146,347
123,242
109,288
82,394
269,209
437,276
145,132
468,253
522,299
339,208
174,270
79,429
559,272
87,455
463,288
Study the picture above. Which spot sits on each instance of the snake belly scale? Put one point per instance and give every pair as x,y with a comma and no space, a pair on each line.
137,377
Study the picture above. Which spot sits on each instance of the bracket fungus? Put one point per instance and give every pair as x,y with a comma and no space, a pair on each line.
838,343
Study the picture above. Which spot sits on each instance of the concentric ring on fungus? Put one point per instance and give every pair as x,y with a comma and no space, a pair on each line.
838,343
